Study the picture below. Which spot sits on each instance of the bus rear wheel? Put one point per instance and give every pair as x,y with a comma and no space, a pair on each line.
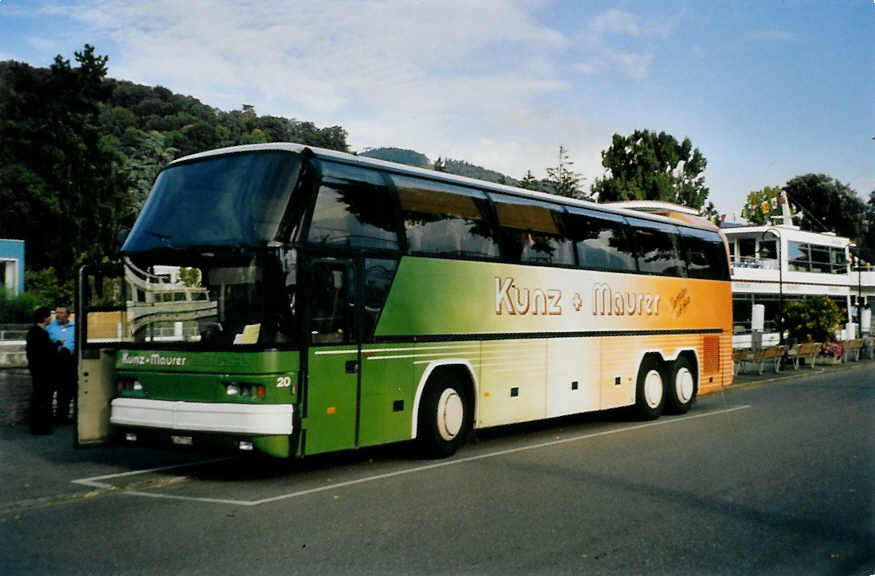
682,386
650,389
445,416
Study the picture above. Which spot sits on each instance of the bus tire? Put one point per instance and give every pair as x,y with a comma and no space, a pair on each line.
445,415
650,389
682,387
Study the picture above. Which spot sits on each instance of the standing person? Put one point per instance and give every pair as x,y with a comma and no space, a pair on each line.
62,331
41,359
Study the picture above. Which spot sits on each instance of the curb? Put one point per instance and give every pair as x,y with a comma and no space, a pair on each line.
800,375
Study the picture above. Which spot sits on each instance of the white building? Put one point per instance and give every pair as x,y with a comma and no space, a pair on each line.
780,262
776,263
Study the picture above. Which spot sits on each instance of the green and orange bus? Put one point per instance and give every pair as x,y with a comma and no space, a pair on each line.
295,301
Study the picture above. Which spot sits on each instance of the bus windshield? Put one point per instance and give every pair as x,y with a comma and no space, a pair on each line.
232,200
212,300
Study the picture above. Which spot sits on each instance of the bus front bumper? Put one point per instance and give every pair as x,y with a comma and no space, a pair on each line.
248,419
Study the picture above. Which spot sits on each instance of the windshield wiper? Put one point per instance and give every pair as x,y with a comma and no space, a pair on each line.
165,238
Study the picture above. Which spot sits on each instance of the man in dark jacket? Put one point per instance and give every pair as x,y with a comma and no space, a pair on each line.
41,359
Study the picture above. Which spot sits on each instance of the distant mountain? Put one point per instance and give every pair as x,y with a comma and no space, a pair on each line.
399,156
419,160
463,168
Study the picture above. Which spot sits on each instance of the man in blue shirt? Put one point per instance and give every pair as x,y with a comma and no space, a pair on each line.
62,331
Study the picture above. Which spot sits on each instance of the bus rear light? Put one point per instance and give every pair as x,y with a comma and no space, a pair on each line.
137,386
232,389
245,445
259,391
182,440
131,436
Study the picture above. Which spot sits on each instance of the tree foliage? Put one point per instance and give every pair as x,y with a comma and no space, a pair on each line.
753,205
813,319
866,242
529,182
650,166
62,184
828,206
562,180
79,153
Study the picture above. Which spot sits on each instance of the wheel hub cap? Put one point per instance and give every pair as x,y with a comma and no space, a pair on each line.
450,412
653,389
684,385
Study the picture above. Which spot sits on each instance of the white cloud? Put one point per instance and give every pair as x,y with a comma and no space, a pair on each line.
628,24
613,43
444,78
634,64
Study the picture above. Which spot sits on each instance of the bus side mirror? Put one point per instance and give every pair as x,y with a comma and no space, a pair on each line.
122,235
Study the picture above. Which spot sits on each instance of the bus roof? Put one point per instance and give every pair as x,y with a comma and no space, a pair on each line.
679,214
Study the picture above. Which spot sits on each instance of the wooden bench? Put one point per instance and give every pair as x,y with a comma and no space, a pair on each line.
766,355
852,347
803,351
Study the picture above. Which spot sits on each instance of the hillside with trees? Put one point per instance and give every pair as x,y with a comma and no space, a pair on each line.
420,160
79,153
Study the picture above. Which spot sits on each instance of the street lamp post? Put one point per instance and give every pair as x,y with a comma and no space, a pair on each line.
780,250
859,264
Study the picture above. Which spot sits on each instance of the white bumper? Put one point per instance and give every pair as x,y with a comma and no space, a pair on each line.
254,419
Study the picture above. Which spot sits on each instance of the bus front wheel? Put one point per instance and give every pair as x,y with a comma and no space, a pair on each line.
682,386
650,390
445,416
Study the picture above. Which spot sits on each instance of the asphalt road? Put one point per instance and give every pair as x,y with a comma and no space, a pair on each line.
769,478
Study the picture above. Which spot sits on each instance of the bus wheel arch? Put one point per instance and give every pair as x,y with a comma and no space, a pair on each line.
682,383
444,407
650,387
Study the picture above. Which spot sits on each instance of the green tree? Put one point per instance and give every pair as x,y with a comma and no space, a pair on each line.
439,165
813,319
753,205
866,243
148,153
562,180
61,180
650,166
827,205
529,182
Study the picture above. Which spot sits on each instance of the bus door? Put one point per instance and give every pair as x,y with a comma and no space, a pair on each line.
334,356
101,327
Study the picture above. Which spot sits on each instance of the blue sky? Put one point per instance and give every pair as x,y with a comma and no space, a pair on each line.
766,90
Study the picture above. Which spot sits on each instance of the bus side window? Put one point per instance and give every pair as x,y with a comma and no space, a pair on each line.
658,248
330,312
379,273
705,254
354,209
442,219
530,233
603,240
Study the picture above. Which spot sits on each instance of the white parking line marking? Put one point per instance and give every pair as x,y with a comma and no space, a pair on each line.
94,482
